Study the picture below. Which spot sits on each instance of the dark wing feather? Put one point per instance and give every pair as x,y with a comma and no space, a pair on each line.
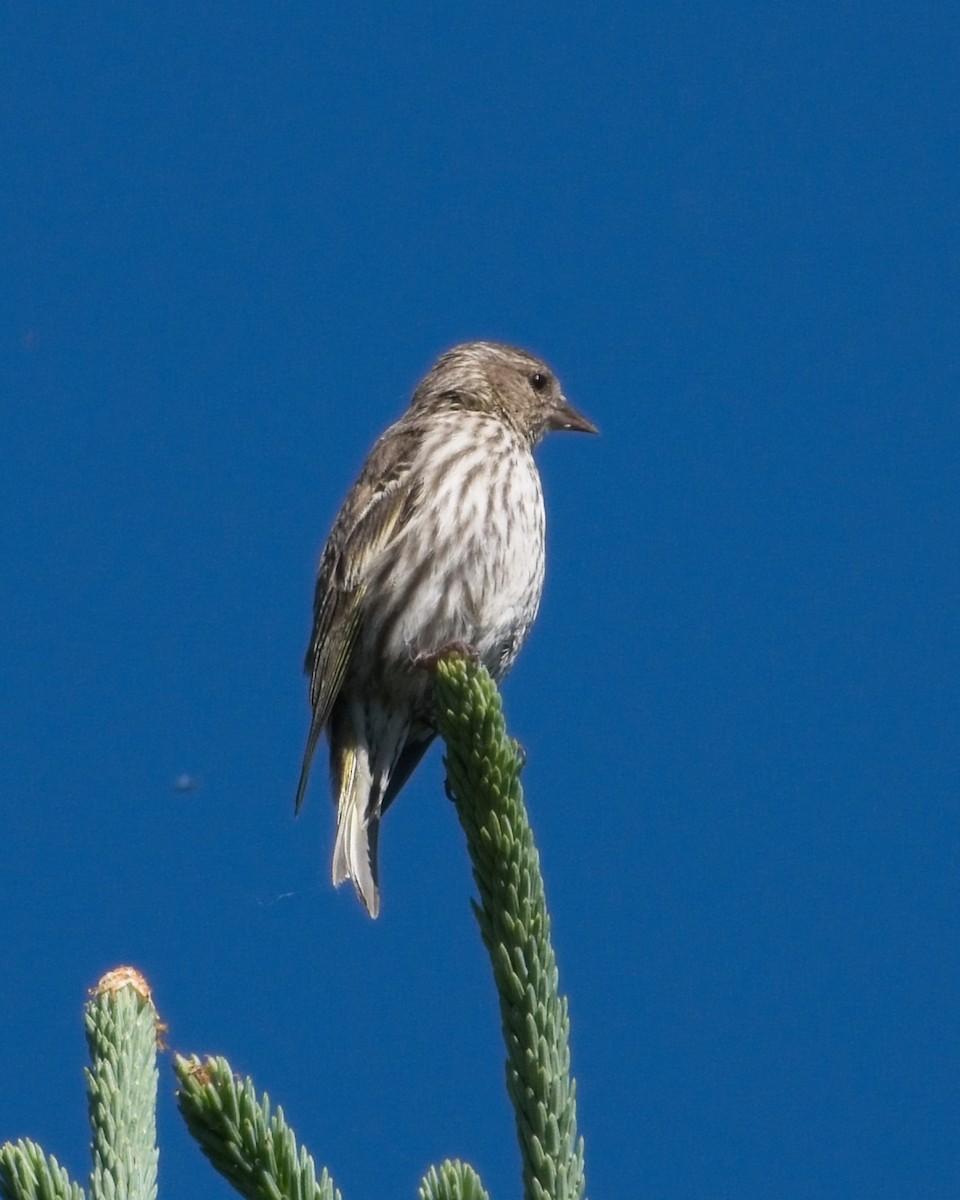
381,503
407,763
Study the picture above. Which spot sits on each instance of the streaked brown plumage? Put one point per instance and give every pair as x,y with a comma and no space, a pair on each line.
440,540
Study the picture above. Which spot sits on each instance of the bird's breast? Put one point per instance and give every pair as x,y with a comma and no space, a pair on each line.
469,565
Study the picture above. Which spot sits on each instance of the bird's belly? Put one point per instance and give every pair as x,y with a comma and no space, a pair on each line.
472,582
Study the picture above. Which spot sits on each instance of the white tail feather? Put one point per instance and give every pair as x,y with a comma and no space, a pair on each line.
355,849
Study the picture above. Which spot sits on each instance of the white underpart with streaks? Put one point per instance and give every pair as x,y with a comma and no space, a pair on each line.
467,567
479,541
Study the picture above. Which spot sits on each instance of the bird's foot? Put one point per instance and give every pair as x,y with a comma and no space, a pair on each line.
429,659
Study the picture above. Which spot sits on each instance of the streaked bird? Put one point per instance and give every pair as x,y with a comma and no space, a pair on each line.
440,541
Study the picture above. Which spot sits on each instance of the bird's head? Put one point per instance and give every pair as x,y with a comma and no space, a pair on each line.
510,384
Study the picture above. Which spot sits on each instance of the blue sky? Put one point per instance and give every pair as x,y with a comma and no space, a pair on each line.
231,243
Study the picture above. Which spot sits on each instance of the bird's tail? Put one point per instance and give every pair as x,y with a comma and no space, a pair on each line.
358,825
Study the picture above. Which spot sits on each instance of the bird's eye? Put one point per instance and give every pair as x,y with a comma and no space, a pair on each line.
539,381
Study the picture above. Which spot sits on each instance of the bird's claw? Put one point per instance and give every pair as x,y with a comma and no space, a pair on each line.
429,659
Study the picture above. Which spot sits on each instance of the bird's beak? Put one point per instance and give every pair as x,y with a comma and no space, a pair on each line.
564,416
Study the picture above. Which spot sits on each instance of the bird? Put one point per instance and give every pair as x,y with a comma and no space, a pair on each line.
439,543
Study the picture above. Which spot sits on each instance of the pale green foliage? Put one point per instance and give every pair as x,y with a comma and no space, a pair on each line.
252,1146
248,1144
483,772
26,1173
121,1025
122,1092
453,1181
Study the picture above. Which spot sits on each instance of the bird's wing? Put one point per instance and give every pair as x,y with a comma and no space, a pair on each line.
380,505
